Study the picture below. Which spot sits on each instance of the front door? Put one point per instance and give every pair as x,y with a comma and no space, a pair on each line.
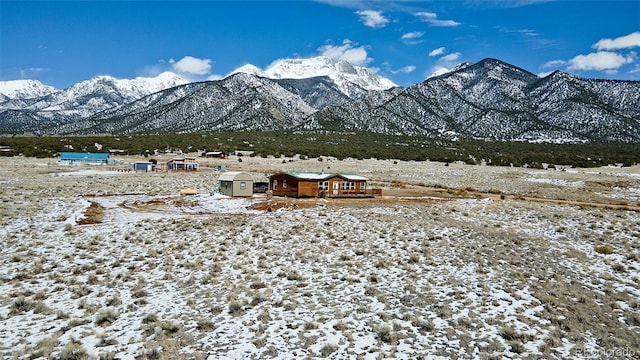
336,187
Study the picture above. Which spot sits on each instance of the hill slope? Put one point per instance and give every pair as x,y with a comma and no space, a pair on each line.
487,100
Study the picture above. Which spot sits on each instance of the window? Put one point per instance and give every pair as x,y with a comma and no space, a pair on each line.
243,185
348,185
275,185
284,184
363,185
323,185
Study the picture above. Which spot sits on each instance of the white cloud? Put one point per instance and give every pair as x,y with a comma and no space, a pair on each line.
408,69
412,38
192,65
624,42
554,64
601,60
451,57
404,70
153,70
32,72
445,63
215,77
437,52
432,19
347,51
372,18
412,35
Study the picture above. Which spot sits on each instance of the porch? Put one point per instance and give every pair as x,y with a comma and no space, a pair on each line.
340,193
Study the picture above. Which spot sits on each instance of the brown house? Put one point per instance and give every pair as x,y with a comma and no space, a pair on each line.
314,184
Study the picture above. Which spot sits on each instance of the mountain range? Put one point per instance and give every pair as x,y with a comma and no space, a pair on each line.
489,100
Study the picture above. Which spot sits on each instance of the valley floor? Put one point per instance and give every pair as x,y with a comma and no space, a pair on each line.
455,261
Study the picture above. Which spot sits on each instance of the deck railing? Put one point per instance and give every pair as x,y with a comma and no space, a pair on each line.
354,193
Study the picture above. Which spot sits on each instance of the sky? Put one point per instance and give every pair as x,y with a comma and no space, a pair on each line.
62,43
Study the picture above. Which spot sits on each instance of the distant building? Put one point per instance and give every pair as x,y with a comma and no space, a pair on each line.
182,164
144,166
320,184
214,154
80,158
235,183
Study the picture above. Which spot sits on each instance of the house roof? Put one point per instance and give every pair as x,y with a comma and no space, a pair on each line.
182,159
235,175
84,156
353,177
324,175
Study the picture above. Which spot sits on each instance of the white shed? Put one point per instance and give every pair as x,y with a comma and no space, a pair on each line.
235,183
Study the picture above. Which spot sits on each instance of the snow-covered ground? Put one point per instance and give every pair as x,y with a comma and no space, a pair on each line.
204,277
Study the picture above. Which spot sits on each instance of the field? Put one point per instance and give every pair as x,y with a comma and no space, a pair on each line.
457,261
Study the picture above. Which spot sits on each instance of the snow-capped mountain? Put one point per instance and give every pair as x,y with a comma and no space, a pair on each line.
341,72
30,111
238,102
488,100
25,89
443,71
494,100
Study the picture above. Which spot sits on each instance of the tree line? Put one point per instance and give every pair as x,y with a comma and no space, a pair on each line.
312,144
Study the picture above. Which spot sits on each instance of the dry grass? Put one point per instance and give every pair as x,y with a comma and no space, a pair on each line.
460,276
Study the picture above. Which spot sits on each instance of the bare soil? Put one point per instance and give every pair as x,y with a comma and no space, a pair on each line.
458,261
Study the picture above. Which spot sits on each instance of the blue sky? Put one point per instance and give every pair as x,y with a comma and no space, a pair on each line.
64,42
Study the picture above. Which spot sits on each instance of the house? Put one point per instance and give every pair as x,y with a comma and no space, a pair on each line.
320,184
145,166
182,164
76,158
236,183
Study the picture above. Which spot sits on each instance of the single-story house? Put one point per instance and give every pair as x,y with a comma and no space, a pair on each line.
87,158
145,166
320,184
235,183
182,164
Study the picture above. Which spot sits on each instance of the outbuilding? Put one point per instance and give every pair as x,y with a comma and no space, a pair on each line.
144,166
235,183
75,158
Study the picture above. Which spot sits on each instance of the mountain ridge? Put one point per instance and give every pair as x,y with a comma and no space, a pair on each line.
490,100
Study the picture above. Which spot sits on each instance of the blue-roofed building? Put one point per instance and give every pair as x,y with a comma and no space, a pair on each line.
78,158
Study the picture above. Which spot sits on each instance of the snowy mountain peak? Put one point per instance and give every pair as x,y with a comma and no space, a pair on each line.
443,71
344,74
138,87
25,89
249,69
82,99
